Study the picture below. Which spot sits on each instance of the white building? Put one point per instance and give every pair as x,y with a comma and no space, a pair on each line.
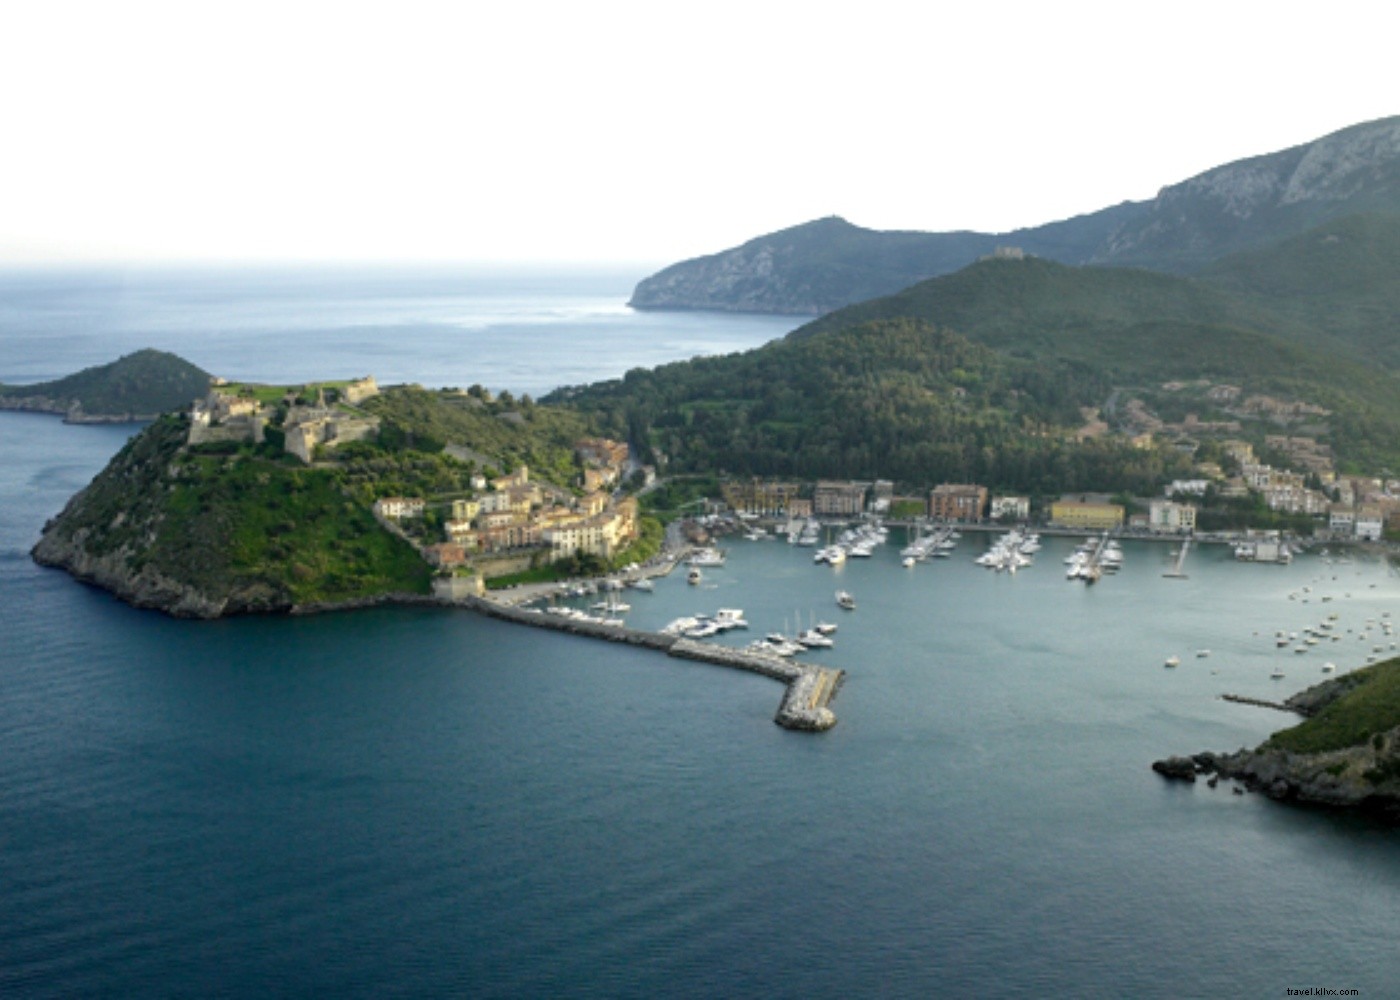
1170,517
1369,523
1010,508
396,507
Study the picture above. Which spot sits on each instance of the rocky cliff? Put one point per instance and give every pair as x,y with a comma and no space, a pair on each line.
1255,202
1346,755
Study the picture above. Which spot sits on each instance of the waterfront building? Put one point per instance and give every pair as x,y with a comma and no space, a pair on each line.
842,499
1341,520
1170,517
1010,509
758,496
1369,523
957,502
1086,513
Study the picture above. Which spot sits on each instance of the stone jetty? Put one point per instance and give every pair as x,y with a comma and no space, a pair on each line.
809,689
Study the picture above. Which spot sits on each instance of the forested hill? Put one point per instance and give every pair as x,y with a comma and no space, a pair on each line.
1139,329
982,375
1339,282
141,384
900,398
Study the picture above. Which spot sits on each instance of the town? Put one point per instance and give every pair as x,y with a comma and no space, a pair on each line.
510,525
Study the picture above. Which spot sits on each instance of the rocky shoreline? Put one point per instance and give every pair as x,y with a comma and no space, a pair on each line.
808,690
72,412
1363,777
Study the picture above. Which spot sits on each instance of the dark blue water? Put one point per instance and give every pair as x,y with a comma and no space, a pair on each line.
412,801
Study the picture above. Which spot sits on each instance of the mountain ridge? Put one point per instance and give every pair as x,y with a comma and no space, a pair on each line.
818,266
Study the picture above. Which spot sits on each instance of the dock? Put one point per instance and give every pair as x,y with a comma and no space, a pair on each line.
809,689
1176,572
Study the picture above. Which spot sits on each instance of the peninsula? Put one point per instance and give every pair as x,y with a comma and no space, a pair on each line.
136,387
1346,754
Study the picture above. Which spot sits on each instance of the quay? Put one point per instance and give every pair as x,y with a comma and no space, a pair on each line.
809,689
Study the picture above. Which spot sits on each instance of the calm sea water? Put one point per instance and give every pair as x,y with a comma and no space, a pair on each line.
521,330
420,802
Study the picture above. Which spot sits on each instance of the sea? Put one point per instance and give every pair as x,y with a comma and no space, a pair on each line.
424,802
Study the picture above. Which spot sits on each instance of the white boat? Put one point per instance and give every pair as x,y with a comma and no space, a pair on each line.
1173,661
707,557
694,576
643,584
845,601
813,639
907,562
1202,653
727,618
1278,672
825,628
1328,667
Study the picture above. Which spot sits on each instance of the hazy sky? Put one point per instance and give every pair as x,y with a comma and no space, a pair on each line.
642,132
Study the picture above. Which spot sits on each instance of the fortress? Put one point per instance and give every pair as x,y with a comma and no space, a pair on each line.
229,414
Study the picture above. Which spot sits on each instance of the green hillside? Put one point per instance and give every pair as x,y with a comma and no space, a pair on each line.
1339,282
981,374
228,527
899,398
1131,323
145,383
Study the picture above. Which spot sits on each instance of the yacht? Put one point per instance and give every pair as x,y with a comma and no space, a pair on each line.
727,618
845,601
1173,661
707,557
694,576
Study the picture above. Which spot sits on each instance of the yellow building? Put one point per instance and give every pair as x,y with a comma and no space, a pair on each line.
1086,514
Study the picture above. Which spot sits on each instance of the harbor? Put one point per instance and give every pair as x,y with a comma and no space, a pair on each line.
809,557
809,689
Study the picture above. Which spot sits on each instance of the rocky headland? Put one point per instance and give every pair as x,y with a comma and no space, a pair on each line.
1344,755
137,387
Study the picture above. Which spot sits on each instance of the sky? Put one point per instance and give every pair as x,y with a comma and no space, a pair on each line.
613,131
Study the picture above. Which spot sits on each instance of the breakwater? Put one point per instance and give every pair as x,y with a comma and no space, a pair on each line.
1260,703
809,689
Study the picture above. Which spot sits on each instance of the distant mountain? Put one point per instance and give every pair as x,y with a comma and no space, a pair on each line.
138,386
822,265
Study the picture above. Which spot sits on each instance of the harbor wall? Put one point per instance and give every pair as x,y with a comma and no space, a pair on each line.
807,695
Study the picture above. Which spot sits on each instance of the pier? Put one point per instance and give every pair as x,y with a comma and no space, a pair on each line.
1176,572
809,689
